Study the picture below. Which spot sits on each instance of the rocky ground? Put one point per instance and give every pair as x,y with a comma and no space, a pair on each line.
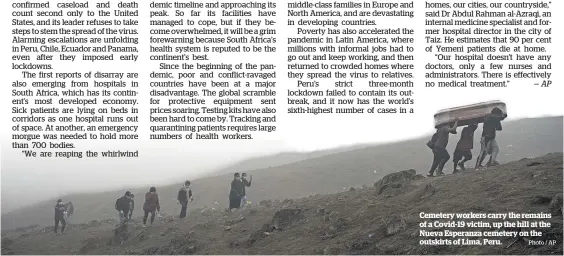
379,219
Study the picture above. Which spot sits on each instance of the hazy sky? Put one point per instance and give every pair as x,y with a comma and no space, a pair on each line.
27,180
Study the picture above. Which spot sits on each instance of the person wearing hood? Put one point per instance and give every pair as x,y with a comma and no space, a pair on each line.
151,205
236,192
122,206
184,194
60,216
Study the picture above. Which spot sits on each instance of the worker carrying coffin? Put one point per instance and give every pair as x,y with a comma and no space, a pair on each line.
446,122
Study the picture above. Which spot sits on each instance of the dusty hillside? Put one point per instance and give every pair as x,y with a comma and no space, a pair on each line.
318,175
380,219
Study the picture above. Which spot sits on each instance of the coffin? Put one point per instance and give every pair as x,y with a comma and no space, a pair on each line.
468,114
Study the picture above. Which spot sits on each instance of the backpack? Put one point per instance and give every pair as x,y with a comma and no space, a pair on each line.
431,143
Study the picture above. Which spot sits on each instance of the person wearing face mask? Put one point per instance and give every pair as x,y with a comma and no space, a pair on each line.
184,194
236,192
60,216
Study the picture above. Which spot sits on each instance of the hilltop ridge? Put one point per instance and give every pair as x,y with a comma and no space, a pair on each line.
382,218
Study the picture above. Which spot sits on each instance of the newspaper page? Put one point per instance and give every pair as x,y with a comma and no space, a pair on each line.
298,127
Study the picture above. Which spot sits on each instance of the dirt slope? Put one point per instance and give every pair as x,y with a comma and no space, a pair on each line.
379,219
317,175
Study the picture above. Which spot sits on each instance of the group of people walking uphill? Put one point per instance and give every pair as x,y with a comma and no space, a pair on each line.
126,203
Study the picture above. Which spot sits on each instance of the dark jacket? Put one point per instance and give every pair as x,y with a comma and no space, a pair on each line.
237,188
442,137
122,204
492,123
466,141
184,194
246,183
431,142
59,210
151,202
